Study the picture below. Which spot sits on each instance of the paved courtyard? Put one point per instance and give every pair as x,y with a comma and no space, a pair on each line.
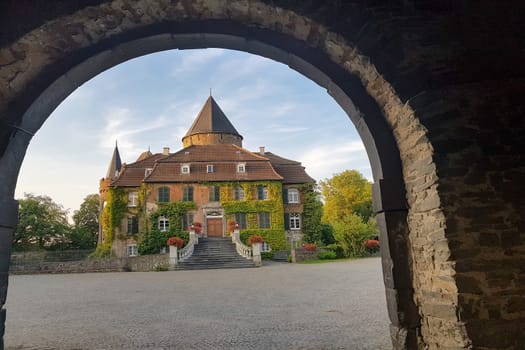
279,306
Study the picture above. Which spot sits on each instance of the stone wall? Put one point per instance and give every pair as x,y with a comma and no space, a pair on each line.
135,264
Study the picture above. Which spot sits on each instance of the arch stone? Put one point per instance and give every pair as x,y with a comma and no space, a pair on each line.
447,200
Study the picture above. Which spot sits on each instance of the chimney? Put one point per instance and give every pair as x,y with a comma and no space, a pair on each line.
166,151
261,150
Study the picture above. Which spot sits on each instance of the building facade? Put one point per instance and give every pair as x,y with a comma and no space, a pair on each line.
215,181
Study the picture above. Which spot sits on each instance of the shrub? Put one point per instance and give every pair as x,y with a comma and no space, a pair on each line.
372,245
337,249
267,255
311,247
231,225
327,255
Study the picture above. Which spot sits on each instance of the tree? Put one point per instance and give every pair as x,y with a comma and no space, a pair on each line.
351,232
312,214
86,218
344,194
42,223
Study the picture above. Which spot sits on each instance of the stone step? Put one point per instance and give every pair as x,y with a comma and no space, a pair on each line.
215,253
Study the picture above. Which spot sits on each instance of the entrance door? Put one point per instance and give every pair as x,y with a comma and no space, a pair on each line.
214,227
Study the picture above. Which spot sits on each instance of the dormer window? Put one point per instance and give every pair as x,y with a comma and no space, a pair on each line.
185,169
147,172
209,168
241,167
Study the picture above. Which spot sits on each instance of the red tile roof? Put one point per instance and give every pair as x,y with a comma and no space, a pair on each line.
291,171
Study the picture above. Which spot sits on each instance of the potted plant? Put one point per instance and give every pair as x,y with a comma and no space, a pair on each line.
231,225
175,241
197,227
255,239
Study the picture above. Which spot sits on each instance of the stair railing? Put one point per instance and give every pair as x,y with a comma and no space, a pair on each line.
241,248
187,251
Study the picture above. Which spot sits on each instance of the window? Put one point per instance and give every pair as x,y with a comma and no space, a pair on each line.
187,221
262,192
132,250
133,199
147,172
293,195
133,225
295,221
185,169
164,194
240,218
266,247
164,224
238,193
264,220
209,168
241,167
215,193
187,196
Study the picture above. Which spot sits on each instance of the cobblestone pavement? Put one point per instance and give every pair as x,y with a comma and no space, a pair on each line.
279,306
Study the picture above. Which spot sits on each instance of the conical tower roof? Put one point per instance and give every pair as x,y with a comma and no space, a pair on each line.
211,120
115,165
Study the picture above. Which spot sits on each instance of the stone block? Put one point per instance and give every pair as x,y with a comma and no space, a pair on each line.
388,195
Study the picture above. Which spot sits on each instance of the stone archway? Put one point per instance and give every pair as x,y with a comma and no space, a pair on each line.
51,60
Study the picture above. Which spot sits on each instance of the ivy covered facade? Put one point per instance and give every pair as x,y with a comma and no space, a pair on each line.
211,181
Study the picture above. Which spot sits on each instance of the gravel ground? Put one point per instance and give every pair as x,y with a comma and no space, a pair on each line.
278,306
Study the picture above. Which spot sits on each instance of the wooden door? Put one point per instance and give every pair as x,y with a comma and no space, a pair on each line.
214,227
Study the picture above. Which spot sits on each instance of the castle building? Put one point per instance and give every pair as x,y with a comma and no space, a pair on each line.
260,191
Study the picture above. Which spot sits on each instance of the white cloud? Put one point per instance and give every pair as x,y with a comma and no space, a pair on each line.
194,60
322,161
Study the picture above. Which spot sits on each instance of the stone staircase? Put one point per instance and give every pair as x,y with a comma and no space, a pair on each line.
215,253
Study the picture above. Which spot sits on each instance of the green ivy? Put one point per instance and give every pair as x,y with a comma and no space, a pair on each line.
152,240
112,215
275,238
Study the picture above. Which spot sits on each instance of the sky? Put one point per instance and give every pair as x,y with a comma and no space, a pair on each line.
151,101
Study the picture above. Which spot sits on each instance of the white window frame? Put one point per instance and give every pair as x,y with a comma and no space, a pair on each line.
295,221
132,250
241,167
147,172
264,193
293,195
163,224
133,199
266,247
238,193
209,168
185,169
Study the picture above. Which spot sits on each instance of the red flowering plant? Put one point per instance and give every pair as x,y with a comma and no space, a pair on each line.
175,241
311,247
197,227
231,225
255,239
372,245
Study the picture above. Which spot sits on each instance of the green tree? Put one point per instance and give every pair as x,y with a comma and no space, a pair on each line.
344,194
351,232
312,214
86,218
42,223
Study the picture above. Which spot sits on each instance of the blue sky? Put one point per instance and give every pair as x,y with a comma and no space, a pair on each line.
151,101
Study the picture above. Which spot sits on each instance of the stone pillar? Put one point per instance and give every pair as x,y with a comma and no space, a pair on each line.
8,221
256,249
236,235
194,236
173,257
